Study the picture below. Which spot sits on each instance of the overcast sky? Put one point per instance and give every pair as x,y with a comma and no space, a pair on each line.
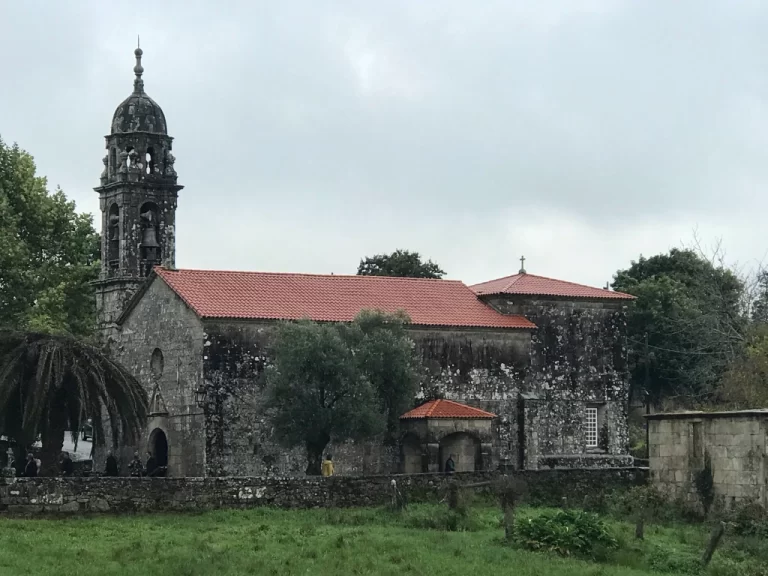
310,133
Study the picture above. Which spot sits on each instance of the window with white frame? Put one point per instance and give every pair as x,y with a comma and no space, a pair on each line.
591,427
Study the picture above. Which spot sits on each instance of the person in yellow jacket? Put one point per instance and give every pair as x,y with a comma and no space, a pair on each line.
327,466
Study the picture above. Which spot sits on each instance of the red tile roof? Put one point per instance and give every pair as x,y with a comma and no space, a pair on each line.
446,409
263,295
532,285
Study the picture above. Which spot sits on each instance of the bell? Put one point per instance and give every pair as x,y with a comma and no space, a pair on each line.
114,221
149,238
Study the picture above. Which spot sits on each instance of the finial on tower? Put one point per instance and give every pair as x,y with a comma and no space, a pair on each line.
138,84
522,265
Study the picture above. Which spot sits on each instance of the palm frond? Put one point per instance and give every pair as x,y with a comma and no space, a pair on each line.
43,375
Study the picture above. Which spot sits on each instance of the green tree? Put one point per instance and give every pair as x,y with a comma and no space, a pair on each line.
691,310
53,383
400,263
745,383
759,312
48,253
386,357
334,382
315,392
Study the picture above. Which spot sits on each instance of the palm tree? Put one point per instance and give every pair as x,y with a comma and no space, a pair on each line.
53,383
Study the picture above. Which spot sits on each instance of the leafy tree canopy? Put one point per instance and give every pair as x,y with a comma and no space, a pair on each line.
745,383
691,311
48,253
386,357
759,312
53,383
400,263
334,382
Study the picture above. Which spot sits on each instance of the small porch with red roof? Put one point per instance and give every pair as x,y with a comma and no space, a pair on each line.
441,428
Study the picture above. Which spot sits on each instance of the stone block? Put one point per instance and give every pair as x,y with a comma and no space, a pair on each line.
741,440
69,507
100,505
737,451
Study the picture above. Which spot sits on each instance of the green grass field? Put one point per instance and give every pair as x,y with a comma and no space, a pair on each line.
338,542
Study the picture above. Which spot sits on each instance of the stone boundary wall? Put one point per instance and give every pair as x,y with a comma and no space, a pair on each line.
50,496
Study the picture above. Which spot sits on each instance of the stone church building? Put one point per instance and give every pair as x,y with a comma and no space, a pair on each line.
523,371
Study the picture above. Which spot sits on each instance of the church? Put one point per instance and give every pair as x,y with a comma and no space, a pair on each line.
524,372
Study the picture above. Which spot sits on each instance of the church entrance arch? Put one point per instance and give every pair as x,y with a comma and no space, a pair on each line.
465,449
158,446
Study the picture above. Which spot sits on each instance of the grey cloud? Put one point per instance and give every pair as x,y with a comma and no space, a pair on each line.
309,134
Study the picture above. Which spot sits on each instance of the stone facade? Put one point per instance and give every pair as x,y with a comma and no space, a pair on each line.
47,496
511,373
162,345
736,444
479,366
559,388
578,361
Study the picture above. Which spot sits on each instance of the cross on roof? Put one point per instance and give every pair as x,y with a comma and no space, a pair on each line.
522,264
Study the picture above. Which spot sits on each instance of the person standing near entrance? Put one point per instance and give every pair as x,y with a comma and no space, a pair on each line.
450,465
136,467
327,467
30,470
67,468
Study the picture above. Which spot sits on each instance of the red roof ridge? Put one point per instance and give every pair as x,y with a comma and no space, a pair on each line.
332,298
515,278
306,274
444,408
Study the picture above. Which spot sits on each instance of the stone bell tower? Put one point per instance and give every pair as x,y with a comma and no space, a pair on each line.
138,195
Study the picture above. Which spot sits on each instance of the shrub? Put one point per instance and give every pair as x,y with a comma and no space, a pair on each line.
644,502
649,504
750,520
566,532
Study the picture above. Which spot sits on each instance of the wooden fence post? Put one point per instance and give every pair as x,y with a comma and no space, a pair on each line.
714,540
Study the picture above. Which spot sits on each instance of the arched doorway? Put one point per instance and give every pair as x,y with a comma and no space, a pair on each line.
158,446
465,449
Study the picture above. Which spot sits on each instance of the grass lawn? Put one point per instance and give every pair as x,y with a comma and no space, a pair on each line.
336,542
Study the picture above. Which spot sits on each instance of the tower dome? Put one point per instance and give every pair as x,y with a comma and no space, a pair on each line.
138,112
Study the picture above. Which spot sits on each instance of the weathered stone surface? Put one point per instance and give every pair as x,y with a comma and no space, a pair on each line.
138,178
736,444
71,506
99,505
493,370
117,495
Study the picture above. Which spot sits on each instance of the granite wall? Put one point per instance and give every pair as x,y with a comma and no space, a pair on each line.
578,360
479,367
735,443
49,496
161,343
538,384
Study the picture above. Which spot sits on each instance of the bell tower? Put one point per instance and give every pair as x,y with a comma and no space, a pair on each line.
138,194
